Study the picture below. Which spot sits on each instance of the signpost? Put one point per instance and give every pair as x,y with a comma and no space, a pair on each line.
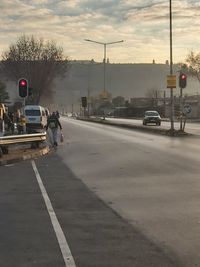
171,81
186,110
171,84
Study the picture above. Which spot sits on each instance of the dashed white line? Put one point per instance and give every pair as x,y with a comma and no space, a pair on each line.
64,247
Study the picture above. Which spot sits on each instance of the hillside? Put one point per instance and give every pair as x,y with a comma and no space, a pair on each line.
128,80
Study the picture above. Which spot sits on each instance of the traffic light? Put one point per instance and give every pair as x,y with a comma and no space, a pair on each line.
182,80
30,91
23,87
84,101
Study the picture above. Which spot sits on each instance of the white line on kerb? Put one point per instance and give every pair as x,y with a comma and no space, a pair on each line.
67,256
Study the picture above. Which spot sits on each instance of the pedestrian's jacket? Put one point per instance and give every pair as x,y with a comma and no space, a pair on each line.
53,123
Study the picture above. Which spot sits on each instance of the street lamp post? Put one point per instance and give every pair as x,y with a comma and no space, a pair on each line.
88,83
104,61
171,67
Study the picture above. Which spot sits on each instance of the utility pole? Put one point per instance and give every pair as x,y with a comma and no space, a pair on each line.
171,70
181,108
72,109
88,91
164,96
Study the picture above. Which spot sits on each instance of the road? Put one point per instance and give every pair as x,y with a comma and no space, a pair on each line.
150,180
107,197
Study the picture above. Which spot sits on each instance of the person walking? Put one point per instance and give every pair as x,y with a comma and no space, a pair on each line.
7,122
22,125
53,123
57,114
11,116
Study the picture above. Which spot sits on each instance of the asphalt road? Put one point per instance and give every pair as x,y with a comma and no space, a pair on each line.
152,181
106,197
95,234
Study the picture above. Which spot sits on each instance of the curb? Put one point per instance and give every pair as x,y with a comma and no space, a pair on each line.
26,155
159,131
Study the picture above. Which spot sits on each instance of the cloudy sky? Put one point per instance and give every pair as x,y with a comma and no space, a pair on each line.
143,24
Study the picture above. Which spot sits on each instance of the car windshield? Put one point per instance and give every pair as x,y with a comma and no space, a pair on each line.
32,112
151,113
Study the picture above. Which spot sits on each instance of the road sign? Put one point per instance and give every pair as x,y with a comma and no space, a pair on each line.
187,109
171,81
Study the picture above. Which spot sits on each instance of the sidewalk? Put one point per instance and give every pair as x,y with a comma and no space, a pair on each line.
23,152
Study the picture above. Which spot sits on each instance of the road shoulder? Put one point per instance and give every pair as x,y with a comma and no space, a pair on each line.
21,154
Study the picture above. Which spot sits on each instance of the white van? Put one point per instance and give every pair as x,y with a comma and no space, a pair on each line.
36,117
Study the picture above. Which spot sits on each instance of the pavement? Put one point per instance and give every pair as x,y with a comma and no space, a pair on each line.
23,152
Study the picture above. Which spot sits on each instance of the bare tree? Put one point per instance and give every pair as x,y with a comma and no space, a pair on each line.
3,94
37,61
192,65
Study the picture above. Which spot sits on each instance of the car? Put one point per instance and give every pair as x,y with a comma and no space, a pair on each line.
36,117
152,116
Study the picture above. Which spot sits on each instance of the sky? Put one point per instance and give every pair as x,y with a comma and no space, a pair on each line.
142,24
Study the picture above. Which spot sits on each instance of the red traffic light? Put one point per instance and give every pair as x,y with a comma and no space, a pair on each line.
23,87
182,80
23,83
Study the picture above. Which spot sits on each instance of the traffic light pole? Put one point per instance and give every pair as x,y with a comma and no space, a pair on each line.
181,109
24,101
171,70
182,84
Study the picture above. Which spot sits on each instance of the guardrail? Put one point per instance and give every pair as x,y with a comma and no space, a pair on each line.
35,139
23,138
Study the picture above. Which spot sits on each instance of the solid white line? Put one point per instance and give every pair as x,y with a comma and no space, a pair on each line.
64,247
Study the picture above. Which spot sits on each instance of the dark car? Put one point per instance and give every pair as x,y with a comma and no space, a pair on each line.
152,116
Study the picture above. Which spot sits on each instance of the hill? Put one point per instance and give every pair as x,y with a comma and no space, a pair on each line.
127,80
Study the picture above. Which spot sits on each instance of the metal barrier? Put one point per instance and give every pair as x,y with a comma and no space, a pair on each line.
23,138
34,139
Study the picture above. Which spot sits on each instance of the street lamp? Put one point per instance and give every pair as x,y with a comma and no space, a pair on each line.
88,65
104,61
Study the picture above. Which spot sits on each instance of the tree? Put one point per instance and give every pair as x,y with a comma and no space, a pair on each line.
118,101
3,94
192,66
37,61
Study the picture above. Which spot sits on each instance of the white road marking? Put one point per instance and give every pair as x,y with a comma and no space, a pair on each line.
64,247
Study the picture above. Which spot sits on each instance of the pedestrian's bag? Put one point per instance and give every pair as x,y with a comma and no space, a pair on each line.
61,138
